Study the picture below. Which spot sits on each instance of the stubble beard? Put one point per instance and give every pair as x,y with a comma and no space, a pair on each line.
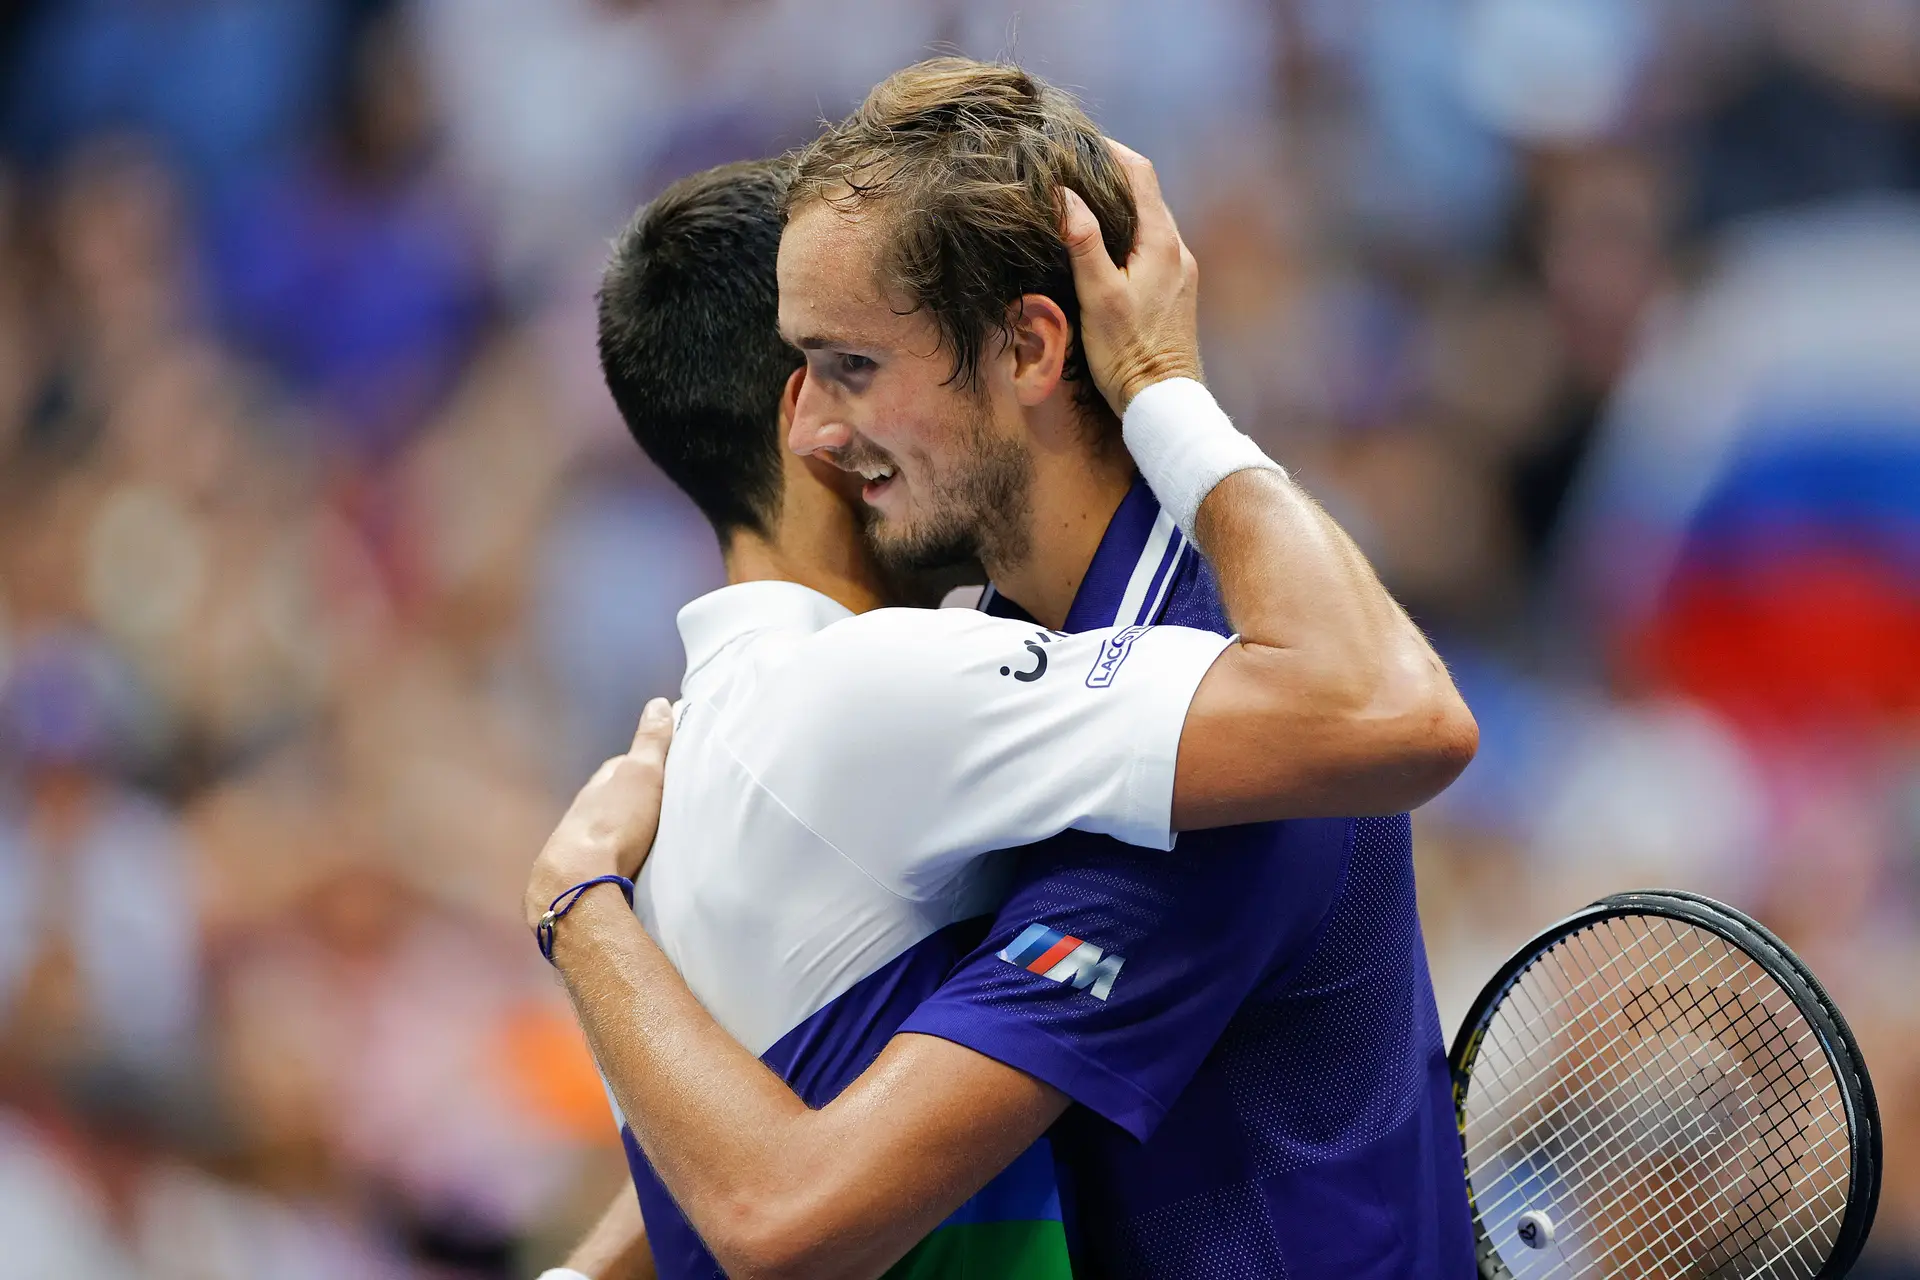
979,513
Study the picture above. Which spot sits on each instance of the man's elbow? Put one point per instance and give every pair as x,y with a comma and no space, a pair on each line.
774,1241
1420,744
1328,740
769,1257
1443,744
759,1245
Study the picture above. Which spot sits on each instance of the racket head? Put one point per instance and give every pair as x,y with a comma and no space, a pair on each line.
1754,945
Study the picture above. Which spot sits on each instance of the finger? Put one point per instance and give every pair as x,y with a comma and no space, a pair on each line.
1086,246
1150,204
600,775
655,732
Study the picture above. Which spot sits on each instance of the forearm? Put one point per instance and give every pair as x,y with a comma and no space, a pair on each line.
1289,577
723,1132
773,1187
1292,581
1334,678
616,1246
1333,703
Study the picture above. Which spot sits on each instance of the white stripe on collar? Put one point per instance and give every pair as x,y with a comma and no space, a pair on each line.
1161,548
1181,550
1148,588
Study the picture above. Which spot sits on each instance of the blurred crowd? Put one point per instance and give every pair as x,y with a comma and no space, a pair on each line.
326,569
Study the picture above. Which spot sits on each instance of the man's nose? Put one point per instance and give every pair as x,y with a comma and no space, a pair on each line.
816,425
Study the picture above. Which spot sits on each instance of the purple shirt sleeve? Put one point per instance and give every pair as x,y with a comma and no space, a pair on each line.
1110,973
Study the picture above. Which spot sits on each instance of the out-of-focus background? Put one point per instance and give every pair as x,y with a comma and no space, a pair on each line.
326,570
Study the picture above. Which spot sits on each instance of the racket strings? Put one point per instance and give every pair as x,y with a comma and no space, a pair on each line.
1580,1096
1634,1129
1583,1156
1539,1017
1553,1013
1735,1237
1638,1057
1634,1126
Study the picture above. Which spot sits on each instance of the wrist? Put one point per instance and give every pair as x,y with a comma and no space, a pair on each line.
578,909
1164,368
552,877
1184,445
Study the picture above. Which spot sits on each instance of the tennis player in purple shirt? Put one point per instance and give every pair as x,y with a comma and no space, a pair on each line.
1231,1051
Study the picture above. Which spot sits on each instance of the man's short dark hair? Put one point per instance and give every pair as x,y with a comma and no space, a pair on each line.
690,344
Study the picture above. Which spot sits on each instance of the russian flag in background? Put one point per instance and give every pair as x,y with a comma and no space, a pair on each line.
1748,532
1796,595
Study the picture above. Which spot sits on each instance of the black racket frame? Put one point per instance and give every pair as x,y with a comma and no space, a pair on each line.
1783,966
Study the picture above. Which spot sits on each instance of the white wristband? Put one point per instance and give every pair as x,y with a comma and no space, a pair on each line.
1184,444
563,1273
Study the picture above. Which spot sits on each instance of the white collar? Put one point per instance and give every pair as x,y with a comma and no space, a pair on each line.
717,619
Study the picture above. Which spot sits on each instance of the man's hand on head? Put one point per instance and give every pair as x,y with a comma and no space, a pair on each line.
1139,322
608,830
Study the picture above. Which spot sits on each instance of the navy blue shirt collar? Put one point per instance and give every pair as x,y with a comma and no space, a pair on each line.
1130,578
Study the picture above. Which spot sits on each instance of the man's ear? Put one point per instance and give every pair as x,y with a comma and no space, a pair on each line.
1041,338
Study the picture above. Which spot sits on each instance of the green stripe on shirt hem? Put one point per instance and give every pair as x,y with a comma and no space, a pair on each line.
988,1251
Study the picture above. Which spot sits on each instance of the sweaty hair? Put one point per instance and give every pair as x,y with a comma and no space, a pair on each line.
966,158
690,344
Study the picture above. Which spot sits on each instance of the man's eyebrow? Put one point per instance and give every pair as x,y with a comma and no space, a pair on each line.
836,342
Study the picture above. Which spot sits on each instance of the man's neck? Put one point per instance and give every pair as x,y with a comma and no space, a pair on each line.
1075,493
751,558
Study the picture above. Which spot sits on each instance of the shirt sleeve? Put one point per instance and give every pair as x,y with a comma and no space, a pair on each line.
914,740
1112,976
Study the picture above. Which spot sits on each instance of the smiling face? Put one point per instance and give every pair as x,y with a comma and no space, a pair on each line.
947,466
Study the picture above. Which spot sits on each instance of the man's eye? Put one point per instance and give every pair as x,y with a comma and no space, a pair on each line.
851,364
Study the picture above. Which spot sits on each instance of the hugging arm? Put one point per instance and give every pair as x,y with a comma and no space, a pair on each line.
973,1077
615,1247
1332,702
775,1188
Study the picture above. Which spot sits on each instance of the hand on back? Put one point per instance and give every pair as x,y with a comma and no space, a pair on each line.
609,828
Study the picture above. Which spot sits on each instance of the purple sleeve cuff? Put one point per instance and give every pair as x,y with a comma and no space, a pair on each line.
1027,1047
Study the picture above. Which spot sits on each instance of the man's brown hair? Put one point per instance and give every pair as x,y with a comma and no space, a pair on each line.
966,158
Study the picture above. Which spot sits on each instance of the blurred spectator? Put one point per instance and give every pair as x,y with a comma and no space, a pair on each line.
99,962
369,1034
229,85
355,274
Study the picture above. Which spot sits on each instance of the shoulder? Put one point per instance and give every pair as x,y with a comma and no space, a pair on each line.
907,647
860,680
885,624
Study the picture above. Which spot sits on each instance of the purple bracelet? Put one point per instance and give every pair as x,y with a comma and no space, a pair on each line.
543,932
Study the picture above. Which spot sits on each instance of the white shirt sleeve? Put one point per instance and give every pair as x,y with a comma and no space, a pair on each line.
915,739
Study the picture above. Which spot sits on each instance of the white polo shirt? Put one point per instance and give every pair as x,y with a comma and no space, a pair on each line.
836,781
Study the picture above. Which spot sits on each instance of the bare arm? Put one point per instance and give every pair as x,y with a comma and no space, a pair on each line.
616,1246
1332,703
774,1187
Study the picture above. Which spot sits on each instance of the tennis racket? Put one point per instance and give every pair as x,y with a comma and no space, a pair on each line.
1657,1087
